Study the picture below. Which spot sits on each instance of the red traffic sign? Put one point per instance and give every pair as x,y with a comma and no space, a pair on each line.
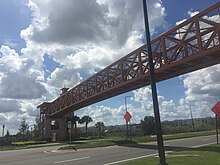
127,117
216,109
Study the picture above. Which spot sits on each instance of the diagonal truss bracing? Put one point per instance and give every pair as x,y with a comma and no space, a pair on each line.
192,45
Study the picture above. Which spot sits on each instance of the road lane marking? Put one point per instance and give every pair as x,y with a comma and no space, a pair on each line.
202,145
206,139
197,137
71,160
156,155
126,160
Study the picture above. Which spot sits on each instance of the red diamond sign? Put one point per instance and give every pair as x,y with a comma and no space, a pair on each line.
127,117
216,109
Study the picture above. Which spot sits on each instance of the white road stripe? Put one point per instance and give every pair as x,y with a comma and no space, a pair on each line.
126,160
206,139
202,145
151,155
71,160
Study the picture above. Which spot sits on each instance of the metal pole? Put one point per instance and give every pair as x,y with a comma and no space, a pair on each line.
216,126
193,126
3,131
40,129
69,126
3,128
160,143
70,136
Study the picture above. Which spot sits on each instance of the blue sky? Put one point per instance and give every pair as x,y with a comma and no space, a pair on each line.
177,10
45,46
14,16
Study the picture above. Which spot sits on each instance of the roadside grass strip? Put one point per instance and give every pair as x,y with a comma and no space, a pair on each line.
195,156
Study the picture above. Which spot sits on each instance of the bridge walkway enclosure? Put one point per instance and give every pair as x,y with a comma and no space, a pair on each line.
191,45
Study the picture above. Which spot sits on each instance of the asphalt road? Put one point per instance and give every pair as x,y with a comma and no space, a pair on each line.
98,156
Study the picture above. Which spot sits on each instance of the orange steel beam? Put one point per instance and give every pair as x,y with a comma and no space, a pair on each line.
191,45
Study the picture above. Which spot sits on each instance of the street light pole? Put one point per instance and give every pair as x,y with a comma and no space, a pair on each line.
160,143
126,112
193,126
3,129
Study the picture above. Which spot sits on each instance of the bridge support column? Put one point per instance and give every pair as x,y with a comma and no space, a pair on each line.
62,131
46,127
54,128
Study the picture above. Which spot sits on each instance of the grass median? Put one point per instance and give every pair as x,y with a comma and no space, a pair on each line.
90,142
110,141
207,155
28,144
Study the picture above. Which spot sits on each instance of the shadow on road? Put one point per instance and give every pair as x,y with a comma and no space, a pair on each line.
151,146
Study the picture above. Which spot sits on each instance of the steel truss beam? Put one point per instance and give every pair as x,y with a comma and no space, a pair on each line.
191,45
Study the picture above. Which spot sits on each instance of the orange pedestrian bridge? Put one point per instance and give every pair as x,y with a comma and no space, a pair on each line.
191,45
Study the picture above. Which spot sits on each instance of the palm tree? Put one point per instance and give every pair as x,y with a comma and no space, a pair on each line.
86,120
75,119
100,126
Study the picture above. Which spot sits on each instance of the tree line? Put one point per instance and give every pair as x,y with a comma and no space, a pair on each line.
147,127
25,132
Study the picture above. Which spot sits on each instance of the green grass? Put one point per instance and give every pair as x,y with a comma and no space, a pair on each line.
5,148
208,155
28,144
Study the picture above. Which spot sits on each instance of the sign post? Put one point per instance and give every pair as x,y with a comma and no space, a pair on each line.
127,117
216,110
216,126
69,131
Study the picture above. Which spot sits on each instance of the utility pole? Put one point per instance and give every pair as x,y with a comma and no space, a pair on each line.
193,126
160,143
